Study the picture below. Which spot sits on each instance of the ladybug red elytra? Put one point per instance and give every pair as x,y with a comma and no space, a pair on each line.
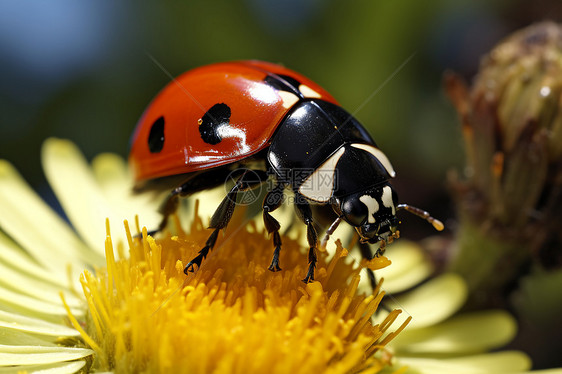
261,121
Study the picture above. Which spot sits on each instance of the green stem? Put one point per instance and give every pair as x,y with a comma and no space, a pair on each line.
488,263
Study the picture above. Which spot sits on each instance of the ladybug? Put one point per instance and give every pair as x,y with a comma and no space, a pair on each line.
263,122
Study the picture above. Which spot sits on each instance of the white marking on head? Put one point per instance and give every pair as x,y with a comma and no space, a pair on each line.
308,92
289,98
372,206
319,185
387,198
379,155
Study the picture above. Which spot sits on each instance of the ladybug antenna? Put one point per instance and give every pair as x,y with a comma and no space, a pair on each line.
330,231
422,214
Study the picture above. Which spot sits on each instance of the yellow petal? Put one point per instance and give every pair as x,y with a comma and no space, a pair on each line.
492,363
116,183
15,337
72,180
23,284
34,325
24,217
29,355
409,267
468,333
57,368
434,301
111,173
29,306
13,256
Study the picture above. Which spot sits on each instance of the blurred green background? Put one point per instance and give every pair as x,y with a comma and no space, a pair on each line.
84,70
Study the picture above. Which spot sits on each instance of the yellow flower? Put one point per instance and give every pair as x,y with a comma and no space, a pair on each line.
141,313
232,315
137,311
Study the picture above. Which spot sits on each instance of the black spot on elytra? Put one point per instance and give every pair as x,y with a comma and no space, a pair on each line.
284,83
156,136
212,121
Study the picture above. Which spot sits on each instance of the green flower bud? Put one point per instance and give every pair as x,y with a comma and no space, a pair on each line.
510,199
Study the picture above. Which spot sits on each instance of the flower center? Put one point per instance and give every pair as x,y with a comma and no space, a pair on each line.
232,315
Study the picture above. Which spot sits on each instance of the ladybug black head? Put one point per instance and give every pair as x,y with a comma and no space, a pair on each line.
371,212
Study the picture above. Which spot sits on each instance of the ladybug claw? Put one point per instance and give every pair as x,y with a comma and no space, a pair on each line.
275,260
310,274
274,267
190,267
380,251
151,233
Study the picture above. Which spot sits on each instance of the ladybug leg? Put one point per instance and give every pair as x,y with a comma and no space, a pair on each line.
224,212
382,248
190,267
167,208
367,254
305,214
271,202
170,205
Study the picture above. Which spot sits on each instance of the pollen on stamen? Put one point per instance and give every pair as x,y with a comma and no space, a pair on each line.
232,314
